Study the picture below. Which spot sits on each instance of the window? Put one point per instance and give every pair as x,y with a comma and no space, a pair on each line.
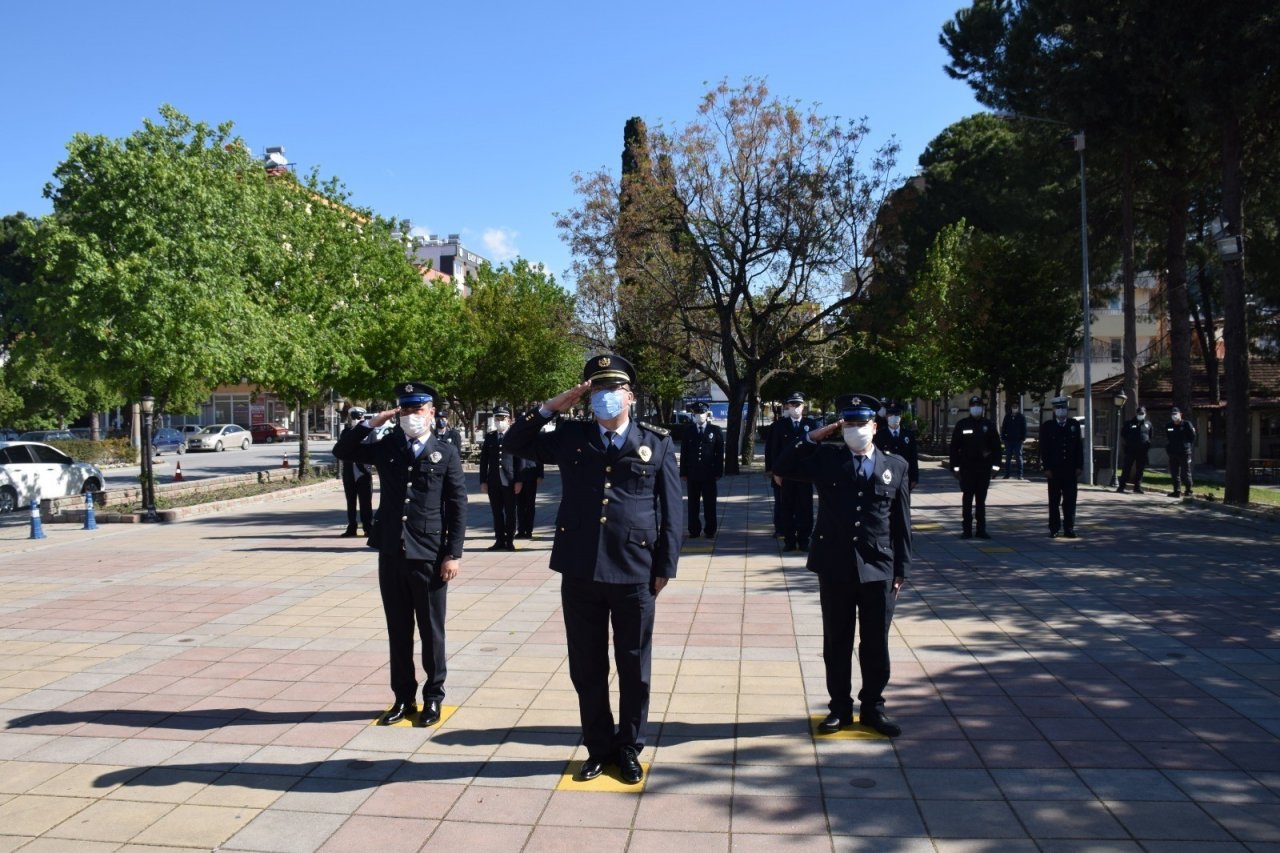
49,456
1117,350
15,455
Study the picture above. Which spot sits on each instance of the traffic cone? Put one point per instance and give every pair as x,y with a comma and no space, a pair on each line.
177,473
285,463
37,529
90,520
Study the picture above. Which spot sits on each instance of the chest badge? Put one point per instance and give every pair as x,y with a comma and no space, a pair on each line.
887,476
435,456
645,453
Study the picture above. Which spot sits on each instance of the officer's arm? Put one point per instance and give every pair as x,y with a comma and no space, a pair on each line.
526,439
684,453
455,507
351,446
953,451
667,554
900,530
718,450
796,461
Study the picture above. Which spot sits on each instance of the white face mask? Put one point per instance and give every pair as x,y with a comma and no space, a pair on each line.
415,425
1141,416
701,420
976,411
1177,419
858,438
794,412
894,421
501,425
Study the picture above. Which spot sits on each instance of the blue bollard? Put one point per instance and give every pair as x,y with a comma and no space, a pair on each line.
90,520
37,529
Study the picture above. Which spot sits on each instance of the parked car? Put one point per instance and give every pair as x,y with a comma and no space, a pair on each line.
189,429
47,435
269,433
28,468
166,438
220,437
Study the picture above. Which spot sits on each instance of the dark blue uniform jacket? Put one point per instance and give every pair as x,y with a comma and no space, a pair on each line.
702,456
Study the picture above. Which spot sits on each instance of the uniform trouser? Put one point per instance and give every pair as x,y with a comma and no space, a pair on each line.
1062,499
797,511
702,491
973,500
777,507
1135,464
1013,459
359,492
502,502
1180,469
525,503
589,609
846,602
413,589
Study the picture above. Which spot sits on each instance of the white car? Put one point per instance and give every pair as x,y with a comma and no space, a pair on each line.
28,468
220,437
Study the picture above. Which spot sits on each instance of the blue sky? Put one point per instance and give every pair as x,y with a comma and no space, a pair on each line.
467,117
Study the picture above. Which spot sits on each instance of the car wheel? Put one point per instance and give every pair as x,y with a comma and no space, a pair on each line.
218,447
271,439
8,499
244,445
91,485
182,448
155,451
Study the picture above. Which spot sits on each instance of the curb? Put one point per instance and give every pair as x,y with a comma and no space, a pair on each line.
76,516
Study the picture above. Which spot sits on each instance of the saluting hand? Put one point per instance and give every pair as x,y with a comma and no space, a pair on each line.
564,401
382,417
821,433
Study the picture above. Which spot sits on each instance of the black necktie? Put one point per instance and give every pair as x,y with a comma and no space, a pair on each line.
858,459
610,449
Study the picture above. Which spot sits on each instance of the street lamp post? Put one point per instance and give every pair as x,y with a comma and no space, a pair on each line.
148,469
1120,400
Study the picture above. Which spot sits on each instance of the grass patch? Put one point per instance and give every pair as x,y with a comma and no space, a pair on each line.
1156,481
244,490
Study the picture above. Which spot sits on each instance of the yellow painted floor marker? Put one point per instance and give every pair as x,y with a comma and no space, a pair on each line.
855,732
446,711
606,783
996,549
928,525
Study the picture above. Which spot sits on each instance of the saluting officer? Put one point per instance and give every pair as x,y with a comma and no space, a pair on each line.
795,498
1180,443
900,441
617,544
1062,459
499,479
1136,436
861,551
419,533
701,466
975,456
530,477
357,482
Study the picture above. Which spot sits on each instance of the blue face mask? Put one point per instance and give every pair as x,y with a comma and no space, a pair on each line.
608,404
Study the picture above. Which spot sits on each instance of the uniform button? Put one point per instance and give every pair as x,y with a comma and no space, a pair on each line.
562,530
857,524
605,501
608,485
642,542
603,519
404,518
406,500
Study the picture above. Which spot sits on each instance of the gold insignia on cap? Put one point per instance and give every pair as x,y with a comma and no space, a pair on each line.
604,361
645,453
408,388
857,401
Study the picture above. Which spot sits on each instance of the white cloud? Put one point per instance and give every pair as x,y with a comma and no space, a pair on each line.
419,231
499,243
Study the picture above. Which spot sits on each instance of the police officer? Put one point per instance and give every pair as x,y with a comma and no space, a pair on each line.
529,477
701,466
421,525
357,482
900,441
861,551
1013,432
1062,460
499,479
794,497
1180,443
617,544
444,432
974,457
1136,435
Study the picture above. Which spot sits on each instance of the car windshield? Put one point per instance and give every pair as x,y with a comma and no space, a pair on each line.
211,430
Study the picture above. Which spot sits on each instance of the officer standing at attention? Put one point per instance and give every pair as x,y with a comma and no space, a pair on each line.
1062,458
1136,435
1180,443
1013,432
975,456
357,482
900,441
795,498
499,479
617,544
861,551
530,477
444,432
701,466
422,522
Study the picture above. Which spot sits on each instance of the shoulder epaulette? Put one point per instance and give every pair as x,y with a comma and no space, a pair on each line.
659,430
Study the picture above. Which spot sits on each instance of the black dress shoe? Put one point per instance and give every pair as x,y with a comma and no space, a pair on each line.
629,769
510,546
1137,490
497,546
397,712
831,724
350,531
591,768
982,534
966,535
430,714
1071,534
880,721
711,534
1053,534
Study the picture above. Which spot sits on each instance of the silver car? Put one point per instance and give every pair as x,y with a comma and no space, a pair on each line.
29,469
220,437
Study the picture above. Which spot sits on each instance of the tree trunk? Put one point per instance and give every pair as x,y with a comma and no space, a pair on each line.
304,450
1179,303
1235,333
94,429
1129,273
735,435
